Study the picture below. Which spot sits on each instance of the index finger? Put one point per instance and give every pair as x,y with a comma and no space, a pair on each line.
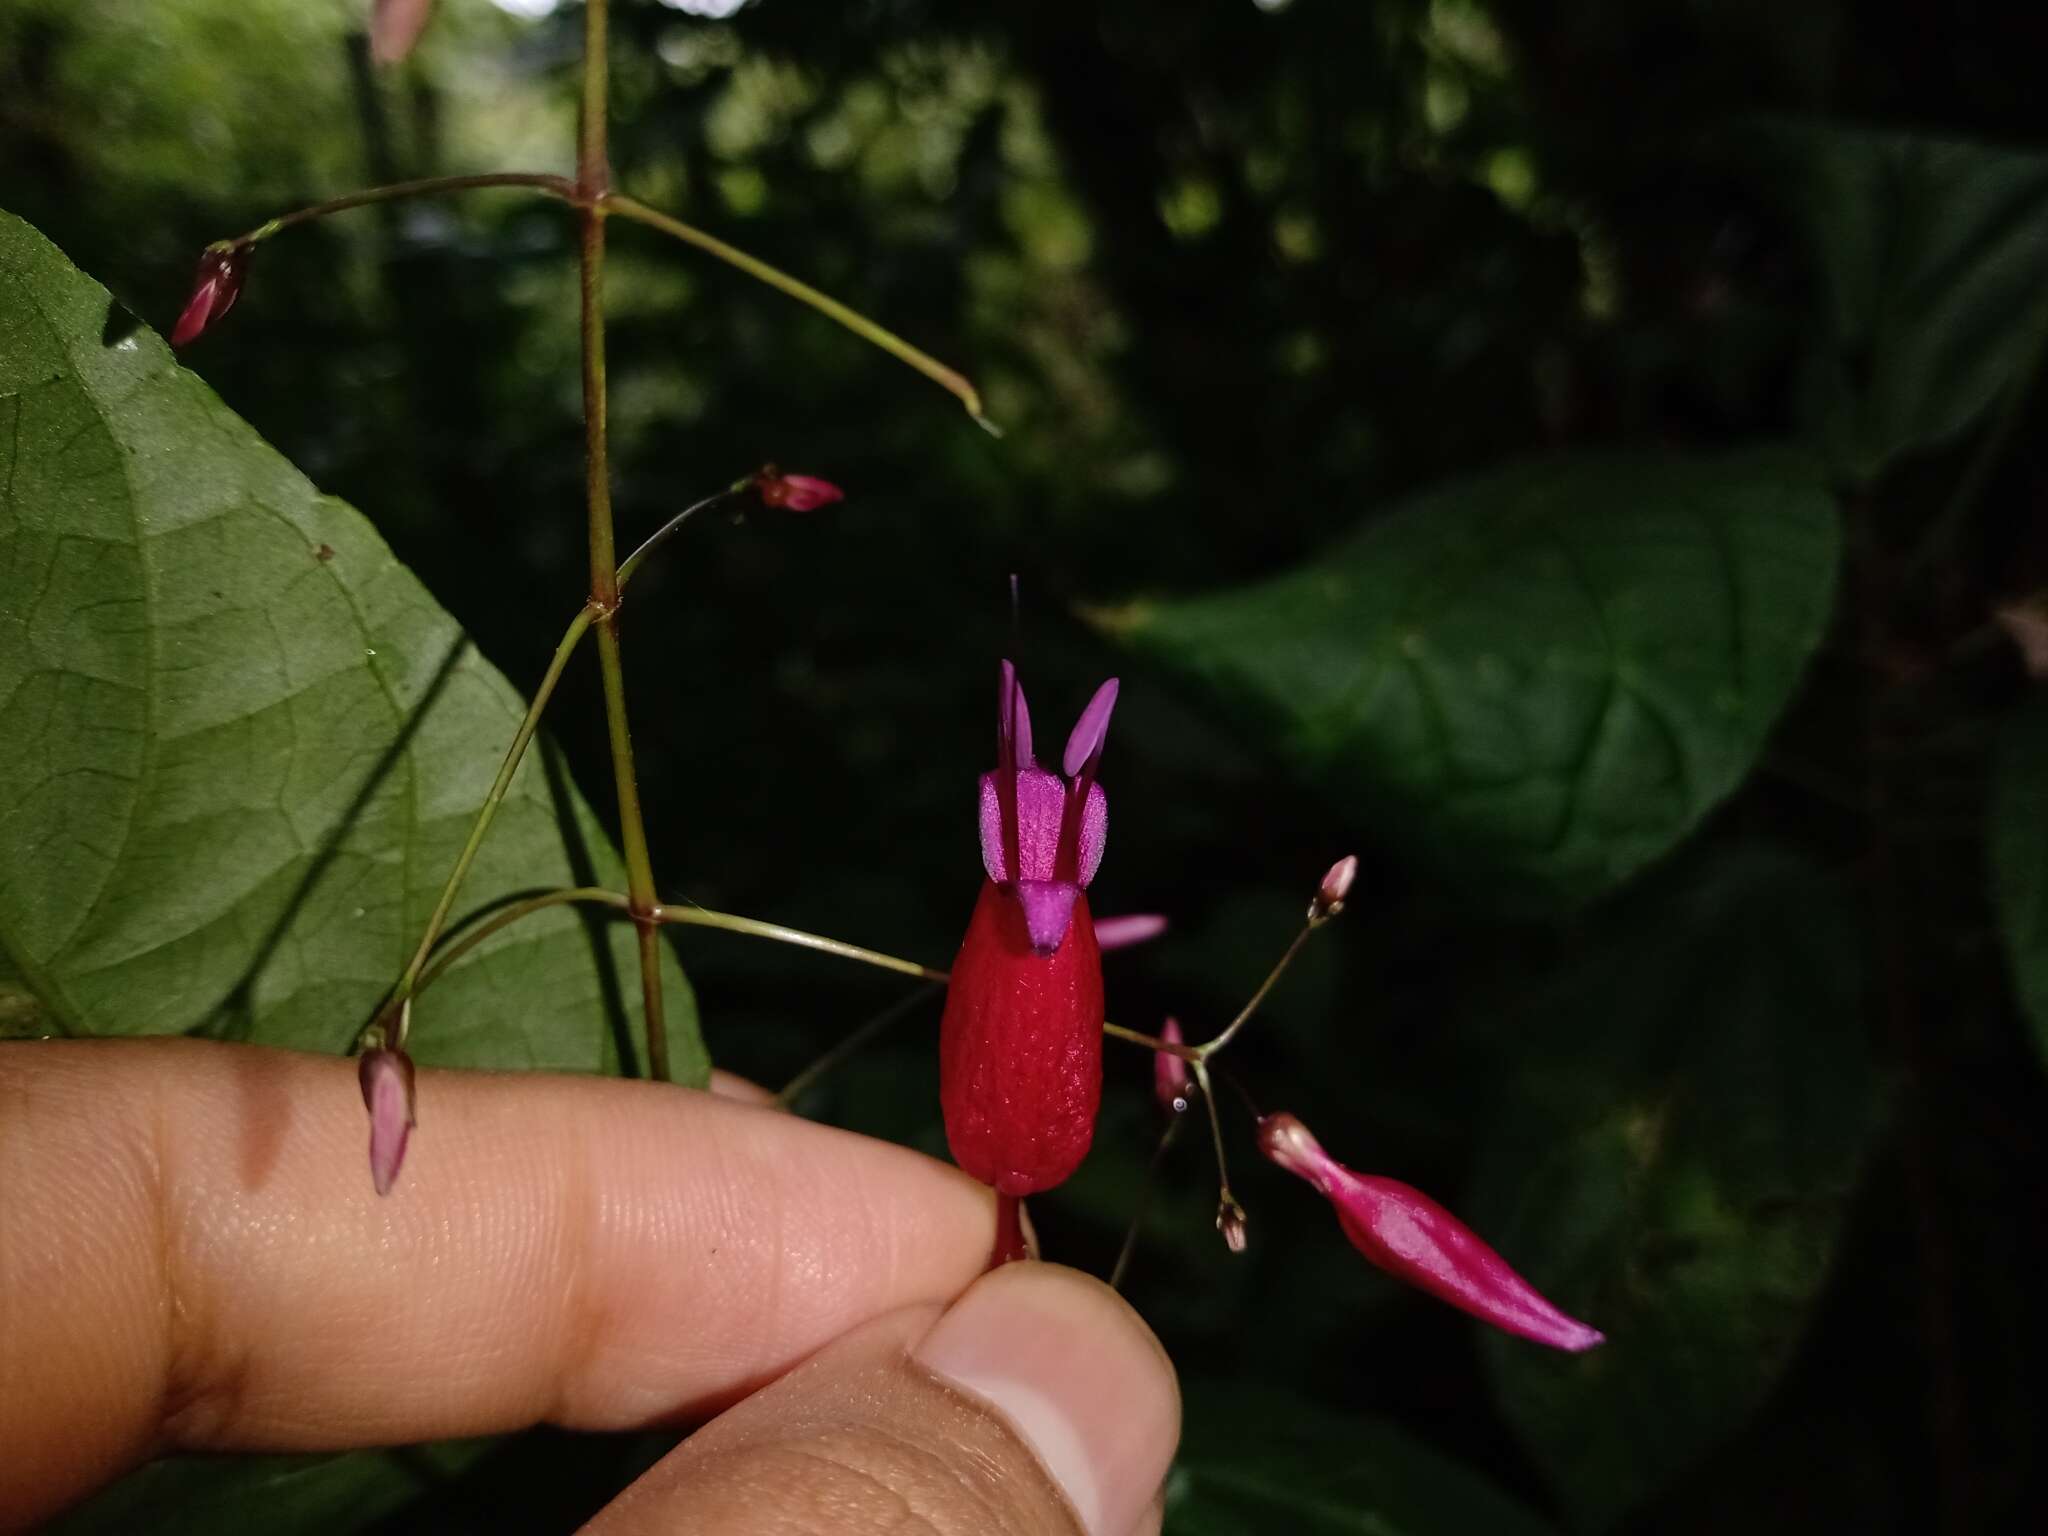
191,1255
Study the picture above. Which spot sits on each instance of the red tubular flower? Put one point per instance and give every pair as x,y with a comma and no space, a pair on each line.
1413,1238
215,287
1020,1047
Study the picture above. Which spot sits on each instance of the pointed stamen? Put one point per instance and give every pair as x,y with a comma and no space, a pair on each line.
1084,746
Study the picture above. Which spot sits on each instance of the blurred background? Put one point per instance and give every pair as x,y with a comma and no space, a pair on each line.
1240,278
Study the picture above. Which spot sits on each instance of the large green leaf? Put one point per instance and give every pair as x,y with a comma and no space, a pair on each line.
1678,1170
2019,857
1931,255
239,743
1258,1462
1537,681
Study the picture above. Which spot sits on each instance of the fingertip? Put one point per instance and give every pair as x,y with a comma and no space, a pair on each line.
1077,1374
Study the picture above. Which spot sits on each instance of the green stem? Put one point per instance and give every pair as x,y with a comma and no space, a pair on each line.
520,740
1211,1047
1130,1247
860,1038
704,917
1152,1042
505,917
555,186
667,530
861,326
593,181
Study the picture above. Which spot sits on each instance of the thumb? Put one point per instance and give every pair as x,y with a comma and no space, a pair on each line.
1038,1404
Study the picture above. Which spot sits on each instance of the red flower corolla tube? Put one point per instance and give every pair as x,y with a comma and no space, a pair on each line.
1020,1046
1413,1238
215,287
386,1078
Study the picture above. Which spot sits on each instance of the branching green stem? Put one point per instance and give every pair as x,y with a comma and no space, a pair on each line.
858,1040
705,917
946,378
559,187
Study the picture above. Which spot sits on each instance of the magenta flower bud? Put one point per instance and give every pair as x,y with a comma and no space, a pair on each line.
1413,1238
386,1076
1335,887
1169,1072
215,287
796,493
1128,928
395,25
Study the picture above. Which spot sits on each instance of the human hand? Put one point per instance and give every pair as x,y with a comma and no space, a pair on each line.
191,1258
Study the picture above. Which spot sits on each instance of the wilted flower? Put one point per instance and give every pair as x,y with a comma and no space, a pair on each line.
1230,1221
1170,1083
1020,1046
796,493
1410,1236
386,1077
215,287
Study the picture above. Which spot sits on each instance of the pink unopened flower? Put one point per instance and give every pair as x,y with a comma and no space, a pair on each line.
1128,928
796,493
1335,887
1410,1236
386,1076
395,25
1169,1072
215,287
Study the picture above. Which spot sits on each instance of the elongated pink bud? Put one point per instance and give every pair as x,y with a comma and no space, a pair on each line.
1128,928
1413,1238
1169,1072
1335,887
796,493
395,25
386,1077
215,287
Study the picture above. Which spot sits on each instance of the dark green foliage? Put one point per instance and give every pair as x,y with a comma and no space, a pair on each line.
1316,328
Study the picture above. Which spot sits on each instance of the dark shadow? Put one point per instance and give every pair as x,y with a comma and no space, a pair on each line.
596,921
541,1481
120,324
234,1019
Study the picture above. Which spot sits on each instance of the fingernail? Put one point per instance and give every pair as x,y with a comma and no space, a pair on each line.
1077,1374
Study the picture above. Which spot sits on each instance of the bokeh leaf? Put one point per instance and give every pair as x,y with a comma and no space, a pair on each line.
1677,1170
2019,857
1261,1461
1930,254
239,743
1537,681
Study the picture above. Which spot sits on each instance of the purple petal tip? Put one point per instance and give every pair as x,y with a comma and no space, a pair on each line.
1090,730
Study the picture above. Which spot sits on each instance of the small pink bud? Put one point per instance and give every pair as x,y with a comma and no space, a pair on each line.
1230,1221
215,287
1169,1072
1128,928
1413,1238
386,1077
796,493
1335,887
395,25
